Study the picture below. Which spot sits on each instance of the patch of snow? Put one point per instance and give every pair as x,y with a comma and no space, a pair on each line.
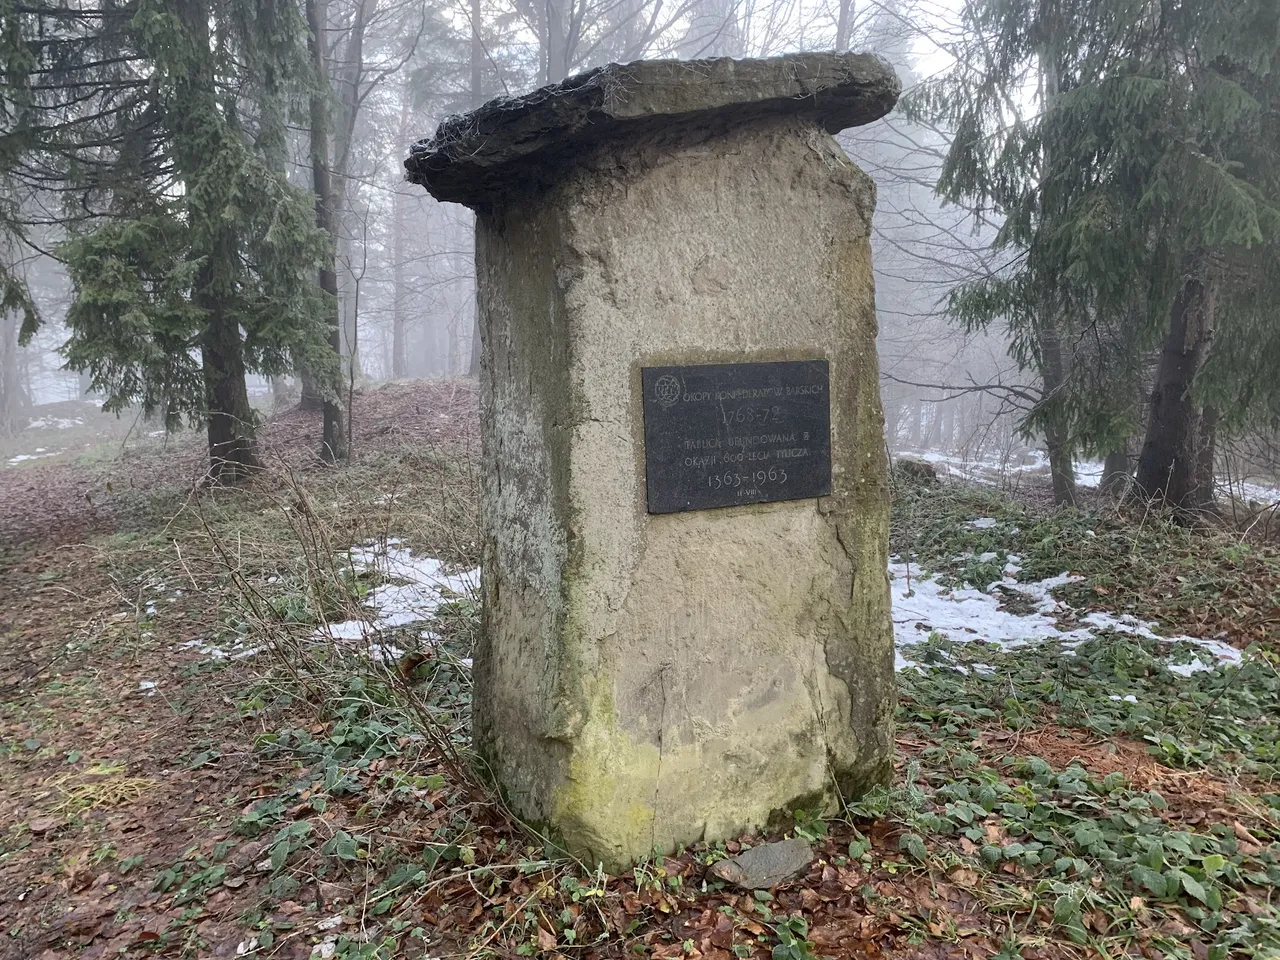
1089,473
385,652
420,585
922,606
965,613
40,453
55,423
995,470
1256,492
238,650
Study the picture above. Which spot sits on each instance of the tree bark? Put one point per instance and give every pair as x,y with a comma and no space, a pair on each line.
280,394
1048,331
10,376
399,281
1167,466
455,351
1202,495
477,98
333,445
1115,473
233,449
311,398
844,25
1062,471
559,40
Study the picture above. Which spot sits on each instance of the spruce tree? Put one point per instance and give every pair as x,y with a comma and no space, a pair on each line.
196,260
1133,195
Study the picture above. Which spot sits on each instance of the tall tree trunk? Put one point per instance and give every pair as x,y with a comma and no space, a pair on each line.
311,396
1206,477
279,393
455,353
1115,473
334,443
844,25
399,210
1052,363
1062,471
398,280
477,98
10,375
233,449
559,40
1167,466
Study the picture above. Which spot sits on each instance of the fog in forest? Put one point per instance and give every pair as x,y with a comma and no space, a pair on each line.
982,387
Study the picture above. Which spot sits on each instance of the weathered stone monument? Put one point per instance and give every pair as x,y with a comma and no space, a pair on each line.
686,611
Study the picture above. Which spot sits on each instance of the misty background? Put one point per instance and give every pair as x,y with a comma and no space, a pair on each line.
404,267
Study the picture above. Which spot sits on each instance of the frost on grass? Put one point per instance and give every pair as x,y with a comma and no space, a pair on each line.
413,590
923,606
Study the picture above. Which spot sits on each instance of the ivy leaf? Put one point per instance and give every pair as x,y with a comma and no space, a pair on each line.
1066,913
1149,879
913,845
1193,886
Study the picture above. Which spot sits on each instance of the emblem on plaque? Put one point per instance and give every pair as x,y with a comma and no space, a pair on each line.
667,390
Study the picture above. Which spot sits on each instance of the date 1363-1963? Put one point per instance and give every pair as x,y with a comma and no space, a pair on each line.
705,447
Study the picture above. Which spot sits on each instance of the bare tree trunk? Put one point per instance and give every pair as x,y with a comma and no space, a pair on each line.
560,40
844,25
399,205
398,346
1167,467
477,98
334,443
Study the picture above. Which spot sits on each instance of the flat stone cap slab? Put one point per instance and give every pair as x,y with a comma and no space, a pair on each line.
513,142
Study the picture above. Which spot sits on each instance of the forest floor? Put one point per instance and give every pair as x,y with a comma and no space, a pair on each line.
232,723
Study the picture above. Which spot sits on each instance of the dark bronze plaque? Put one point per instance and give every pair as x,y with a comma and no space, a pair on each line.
720,434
